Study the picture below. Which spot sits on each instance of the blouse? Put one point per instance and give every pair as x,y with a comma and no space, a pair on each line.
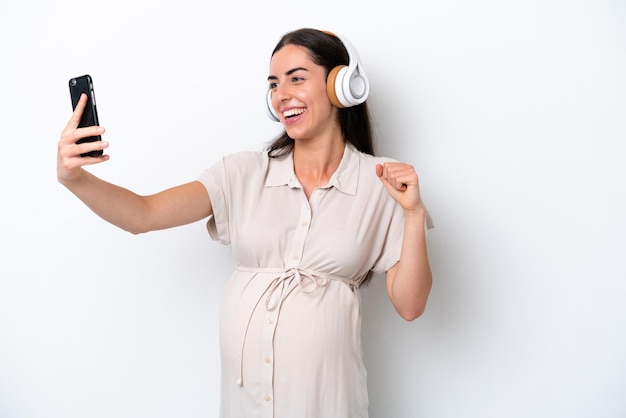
290,315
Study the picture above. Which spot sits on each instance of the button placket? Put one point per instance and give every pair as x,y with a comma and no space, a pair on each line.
294,257
267,368
299,237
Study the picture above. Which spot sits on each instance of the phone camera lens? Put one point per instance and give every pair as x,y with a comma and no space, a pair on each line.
73,82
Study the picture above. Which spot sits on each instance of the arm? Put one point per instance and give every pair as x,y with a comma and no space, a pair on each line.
134,213
410,280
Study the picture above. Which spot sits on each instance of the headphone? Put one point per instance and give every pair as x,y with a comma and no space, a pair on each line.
346,85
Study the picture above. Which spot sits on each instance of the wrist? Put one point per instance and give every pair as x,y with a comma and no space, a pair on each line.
70,178
418,213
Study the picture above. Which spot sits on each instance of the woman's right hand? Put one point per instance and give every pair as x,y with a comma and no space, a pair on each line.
69,161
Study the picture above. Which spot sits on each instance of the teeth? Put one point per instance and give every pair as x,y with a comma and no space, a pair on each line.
293,112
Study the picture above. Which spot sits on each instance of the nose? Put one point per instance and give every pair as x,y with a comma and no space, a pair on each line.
281,93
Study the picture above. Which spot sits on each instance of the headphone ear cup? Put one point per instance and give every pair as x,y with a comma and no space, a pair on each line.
333,86
269,108
350,86
355,88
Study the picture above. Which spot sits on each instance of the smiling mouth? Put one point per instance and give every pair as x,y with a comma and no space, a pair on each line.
293,112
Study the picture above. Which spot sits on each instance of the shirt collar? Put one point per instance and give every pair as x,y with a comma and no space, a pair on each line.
345,178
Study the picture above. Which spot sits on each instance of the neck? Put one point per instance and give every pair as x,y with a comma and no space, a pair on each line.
317,157
315,163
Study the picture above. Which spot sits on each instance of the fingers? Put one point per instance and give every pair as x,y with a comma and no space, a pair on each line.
70,157
77,114
71,134
379,170
70,137
69,150
401,182
398,175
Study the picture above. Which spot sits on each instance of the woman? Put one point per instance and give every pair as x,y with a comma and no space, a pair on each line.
308,221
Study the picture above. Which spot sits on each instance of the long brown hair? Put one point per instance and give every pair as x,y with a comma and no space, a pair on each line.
328,51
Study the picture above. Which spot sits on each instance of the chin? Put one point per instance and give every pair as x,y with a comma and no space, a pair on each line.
293,134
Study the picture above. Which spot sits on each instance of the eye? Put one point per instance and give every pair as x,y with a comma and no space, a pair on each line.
273,85
296,79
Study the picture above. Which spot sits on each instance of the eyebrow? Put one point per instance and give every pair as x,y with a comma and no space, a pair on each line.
293,70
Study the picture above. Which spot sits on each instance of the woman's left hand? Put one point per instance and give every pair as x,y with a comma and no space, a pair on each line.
400,180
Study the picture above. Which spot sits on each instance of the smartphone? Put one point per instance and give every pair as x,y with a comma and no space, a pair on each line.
78,86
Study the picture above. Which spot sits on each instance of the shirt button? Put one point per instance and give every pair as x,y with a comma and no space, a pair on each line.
267,360
267,398
304,223
295,256
270,321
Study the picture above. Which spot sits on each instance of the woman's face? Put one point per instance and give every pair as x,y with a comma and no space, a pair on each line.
299,93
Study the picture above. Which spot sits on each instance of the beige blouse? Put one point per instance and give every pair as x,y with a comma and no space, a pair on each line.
290,320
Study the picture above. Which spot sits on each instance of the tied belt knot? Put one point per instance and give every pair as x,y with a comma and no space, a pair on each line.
283,285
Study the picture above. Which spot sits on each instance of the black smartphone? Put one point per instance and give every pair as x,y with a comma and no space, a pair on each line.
78,86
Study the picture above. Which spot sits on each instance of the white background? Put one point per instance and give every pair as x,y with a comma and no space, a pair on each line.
513,113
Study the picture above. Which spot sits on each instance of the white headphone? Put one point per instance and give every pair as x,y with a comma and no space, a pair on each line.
346,85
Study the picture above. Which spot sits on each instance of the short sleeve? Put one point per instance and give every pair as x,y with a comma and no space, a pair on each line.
215,181
392,244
